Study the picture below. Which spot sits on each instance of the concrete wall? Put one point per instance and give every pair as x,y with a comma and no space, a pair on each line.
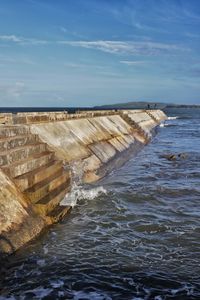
33,155
159,115
5,118
18,222
89,142
42,117
143,119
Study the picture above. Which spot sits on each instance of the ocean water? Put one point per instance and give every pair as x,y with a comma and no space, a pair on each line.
133,235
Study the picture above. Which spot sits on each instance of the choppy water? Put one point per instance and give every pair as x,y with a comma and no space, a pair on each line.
135,235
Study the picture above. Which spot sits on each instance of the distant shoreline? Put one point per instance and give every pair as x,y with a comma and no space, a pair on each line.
146,105
128,105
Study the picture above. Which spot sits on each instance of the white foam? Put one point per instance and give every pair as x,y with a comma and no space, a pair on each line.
90,295
78,193
41,262
57,283
40,292
45,248
172,118
164,125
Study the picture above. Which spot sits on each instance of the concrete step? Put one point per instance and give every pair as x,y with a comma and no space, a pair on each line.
41,189
29,179
151,114
27,165
6,131
11,142
45,205
136,126
21,153
131,122
58,213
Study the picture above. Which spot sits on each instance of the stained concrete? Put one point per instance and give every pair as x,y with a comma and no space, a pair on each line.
33,182
18,222
42,153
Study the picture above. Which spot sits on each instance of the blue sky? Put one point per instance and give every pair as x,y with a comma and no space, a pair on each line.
92,52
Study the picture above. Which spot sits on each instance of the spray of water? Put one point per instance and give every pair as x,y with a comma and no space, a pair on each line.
172,118
79,193
164,124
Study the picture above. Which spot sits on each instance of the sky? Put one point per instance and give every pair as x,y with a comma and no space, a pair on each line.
93,52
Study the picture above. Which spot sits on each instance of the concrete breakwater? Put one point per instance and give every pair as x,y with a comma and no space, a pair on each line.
41,154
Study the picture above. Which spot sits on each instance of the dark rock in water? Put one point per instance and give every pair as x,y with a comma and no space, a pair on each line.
182,155
173,157
169,156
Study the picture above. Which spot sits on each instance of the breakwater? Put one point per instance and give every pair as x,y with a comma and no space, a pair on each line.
41,154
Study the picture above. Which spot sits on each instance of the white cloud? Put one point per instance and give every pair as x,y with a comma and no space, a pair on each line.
74,65
132,63
13,90
22,40
10,38
148,48
148,28
127,47
192,35
84,66
63,29
15,60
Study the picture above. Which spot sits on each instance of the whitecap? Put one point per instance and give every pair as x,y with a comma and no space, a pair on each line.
57,284
40,292
41,262
172,118
90,295
79,193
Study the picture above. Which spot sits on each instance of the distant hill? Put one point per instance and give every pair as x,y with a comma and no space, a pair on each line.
145,105
133,105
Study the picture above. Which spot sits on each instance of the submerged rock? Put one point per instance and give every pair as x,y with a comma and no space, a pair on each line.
172,156
169,156
183,155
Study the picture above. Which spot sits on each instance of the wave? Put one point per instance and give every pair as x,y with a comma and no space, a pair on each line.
78,193
173,118
167,125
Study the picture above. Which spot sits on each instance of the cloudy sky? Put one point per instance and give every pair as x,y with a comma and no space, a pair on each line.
91,52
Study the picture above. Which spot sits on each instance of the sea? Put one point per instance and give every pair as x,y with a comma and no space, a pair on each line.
133,235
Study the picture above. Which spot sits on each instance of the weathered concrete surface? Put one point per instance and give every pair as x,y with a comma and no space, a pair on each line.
158,115
143,120
32,183
18,222
90,142
41,153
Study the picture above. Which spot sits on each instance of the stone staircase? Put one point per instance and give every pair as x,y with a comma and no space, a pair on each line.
135,126
35,170
152,116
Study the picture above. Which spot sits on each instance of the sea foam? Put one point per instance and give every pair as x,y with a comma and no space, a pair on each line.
79,193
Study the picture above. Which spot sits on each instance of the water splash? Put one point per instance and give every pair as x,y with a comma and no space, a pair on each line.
167,125
79,193
173,118
164,124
